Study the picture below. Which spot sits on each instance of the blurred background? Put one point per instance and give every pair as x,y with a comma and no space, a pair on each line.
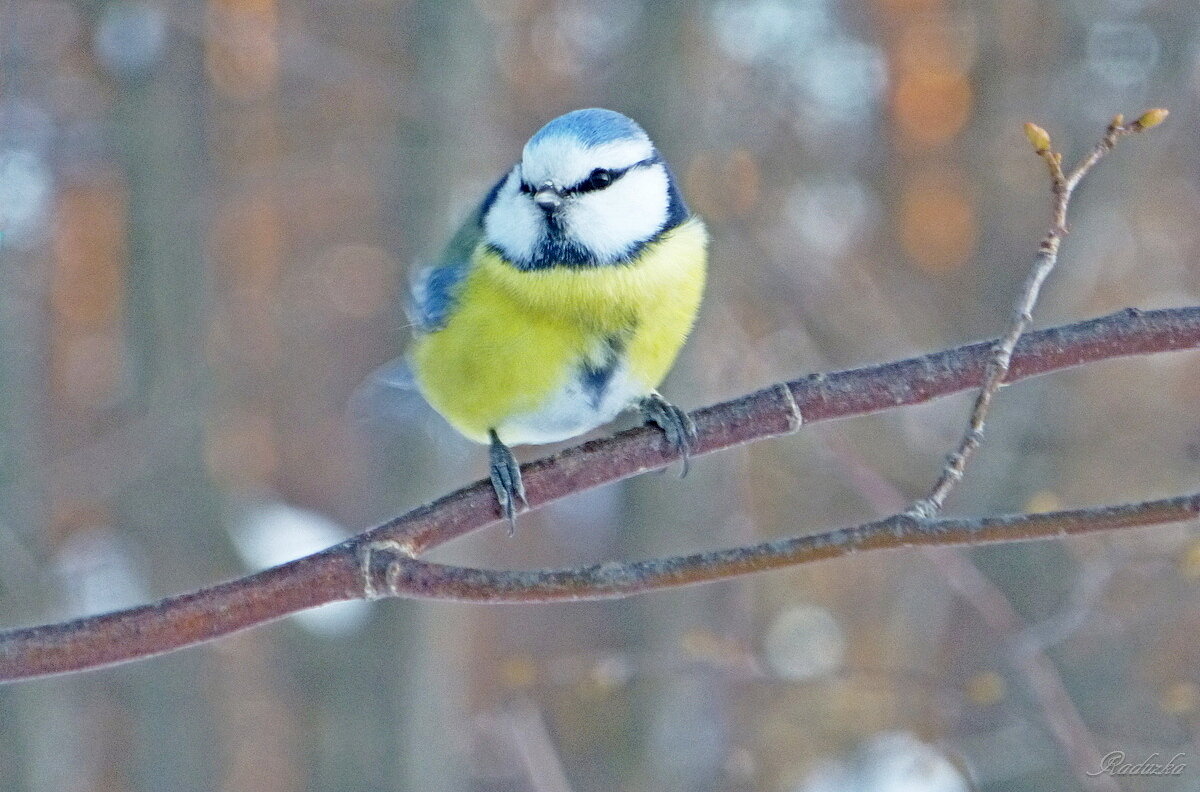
208,212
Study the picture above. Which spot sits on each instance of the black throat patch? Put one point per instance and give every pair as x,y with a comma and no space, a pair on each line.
595,377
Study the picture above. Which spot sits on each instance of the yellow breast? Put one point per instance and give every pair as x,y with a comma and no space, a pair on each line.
517,339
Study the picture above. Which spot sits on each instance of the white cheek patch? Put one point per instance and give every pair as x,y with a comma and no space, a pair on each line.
611,221
565,162
513,223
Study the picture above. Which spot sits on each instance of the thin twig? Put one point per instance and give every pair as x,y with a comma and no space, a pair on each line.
1062,187
543,765
354,569
1038,672
1034,668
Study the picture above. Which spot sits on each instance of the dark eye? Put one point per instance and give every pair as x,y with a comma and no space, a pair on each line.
597,180
527,188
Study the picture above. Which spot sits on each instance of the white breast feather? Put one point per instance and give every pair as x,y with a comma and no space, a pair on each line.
569,412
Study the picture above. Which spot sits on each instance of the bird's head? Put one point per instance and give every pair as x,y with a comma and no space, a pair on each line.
590,190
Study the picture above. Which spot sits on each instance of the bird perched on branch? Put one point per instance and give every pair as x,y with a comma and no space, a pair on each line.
564,298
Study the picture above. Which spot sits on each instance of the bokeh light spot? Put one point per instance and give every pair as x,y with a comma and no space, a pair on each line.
831,214
1180,698
941,44
24,193
985,689
803,642
1122,53
937,222
519,671
755,31
130,37
240,449
241,47
932,106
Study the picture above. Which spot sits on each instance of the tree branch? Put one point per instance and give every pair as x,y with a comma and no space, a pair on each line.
391,572
382,561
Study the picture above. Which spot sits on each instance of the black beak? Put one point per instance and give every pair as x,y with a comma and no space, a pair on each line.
548,198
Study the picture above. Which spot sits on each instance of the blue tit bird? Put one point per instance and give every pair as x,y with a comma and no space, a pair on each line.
564,298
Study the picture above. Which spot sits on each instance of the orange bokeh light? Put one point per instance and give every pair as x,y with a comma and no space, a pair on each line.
87,292
938,44
931,106
89,252
242,47
938,227
240,449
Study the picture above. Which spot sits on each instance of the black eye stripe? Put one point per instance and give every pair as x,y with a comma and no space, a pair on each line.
598,179
603,177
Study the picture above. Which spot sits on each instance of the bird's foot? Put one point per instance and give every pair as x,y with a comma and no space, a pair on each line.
675,423
506,481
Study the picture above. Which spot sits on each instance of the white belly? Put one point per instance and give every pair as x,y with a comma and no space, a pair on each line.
573,410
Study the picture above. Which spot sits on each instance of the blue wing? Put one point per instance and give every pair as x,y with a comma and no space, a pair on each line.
435,289
391,389
435,293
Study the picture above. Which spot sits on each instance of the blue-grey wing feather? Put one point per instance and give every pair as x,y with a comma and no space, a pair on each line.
434,294
435,289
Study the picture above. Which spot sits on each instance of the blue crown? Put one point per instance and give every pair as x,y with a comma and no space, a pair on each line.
592,126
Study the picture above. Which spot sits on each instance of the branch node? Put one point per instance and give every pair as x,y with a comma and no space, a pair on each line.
923,509
910,523
377,561
795,417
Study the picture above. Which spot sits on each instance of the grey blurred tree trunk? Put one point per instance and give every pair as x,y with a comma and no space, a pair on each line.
682,716
428,657
171,512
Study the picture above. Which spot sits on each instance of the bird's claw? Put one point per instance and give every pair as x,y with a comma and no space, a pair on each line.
506,481
676,424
